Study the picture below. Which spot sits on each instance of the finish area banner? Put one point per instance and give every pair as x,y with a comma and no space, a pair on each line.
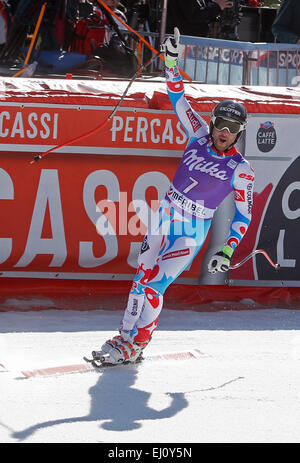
81,212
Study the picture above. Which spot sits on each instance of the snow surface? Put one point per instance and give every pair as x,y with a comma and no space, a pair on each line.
245,387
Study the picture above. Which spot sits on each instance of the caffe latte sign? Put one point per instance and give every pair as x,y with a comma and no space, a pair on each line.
266,137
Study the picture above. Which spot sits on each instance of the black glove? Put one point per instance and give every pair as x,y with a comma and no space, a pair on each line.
220,262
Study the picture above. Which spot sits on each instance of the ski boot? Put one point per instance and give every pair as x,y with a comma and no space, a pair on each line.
121,349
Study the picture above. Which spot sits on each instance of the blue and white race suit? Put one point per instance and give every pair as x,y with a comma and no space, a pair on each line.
203,179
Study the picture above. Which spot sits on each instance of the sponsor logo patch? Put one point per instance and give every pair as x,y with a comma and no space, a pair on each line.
134,307
145,246
239,195
196,124
173,254
232,164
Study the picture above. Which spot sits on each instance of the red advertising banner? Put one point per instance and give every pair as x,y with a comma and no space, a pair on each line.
82,211
78,215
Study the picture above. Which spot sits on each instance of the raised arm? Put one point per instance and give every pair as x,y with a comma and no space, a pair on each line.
193,124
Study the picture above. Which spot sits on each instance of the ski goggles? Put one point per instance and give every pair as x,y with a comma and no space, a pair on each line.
232,126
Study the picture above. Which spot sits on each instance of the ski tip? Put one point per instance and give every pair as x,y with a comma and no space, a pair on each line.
102,358
100,362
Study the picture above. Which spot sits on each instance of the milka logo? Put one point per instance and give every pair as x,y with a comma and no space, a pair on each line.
195,162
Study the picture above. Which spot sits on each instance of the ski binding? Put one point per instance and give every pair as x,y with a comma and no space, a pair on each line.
100,361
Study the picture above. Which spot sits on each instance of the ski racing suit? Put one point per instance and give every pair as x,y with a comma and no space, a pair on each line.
203,179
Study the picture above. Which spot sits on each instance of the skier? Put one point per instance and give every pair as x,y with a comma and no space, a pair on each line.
210,169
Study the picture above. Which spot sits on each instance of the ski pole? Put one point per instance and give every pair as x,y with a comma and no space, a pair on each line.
33,40
80,137
251,255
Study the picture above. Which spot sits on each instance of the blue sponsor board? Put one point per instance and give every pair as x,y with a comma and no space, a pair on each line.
213,65
236,63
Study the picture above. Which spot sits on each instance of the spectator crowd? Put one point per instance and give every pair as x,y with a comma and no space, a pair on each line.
86,27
